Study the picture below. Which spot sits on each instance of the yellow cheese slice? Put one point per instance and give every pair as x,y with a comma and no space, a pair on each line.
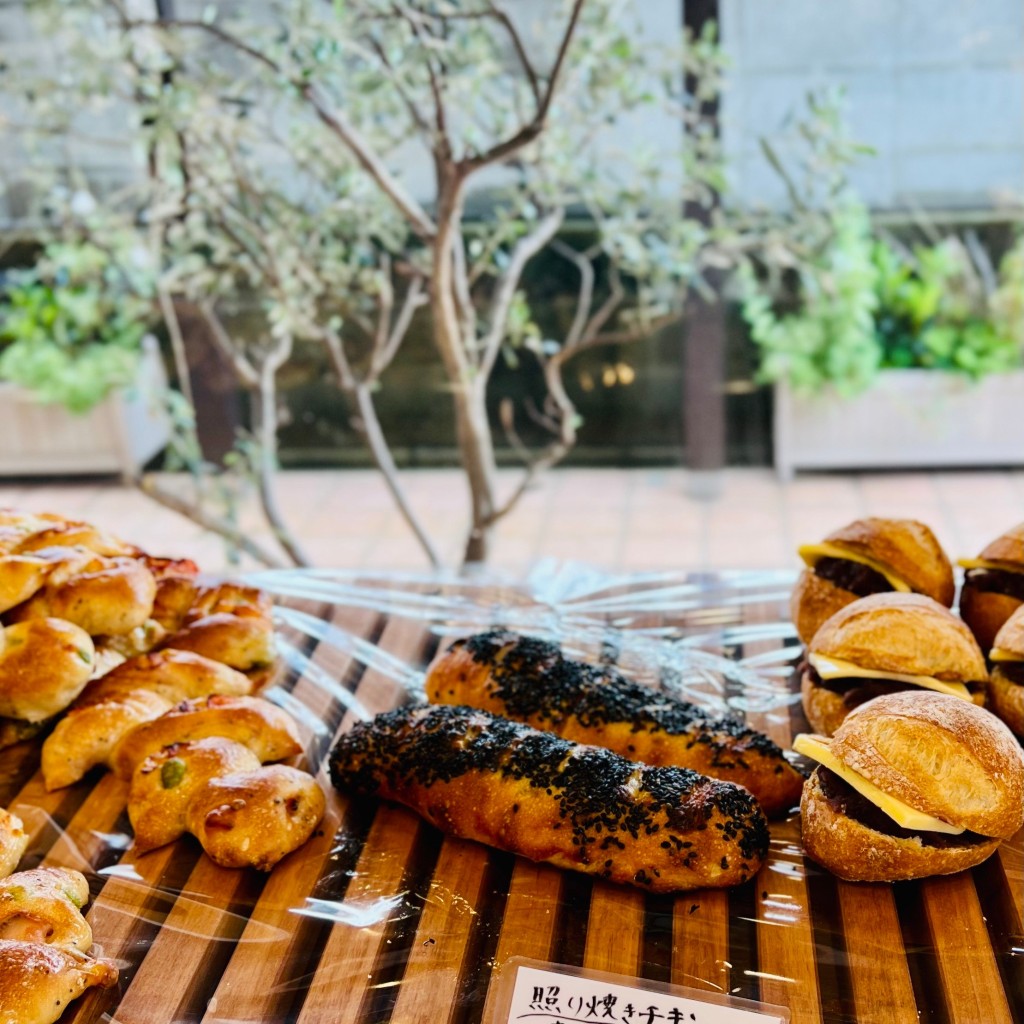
984,563
1002,654
813,553
903,814
836,668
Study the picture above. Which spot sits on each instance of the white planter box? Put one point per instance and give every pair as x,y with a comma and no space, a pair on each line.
907,418
119,435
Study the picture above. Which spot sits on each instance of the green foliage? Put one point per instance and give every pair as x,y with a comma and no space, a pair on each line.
71,326
854,302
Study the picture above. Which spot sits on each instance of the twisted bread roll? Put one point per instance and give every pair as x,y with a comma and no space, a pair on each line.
228,622
481,777
44,905
44,664
102,595
37,982
244,815
13,841
266,729
43,936
137,691
530,681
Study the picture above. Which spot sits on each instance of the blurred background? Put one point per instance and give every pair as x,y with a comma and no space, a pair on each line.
649,285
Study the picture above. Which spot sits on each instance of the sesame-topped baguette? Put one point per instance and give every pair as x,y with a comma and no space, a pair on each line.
478,776
530,681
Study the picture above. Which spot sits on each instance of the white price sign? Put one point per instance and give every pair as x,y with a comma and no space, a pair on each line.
542,996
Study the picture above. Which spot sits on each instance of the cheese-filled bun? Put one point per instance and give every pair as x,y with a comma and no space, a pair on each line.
993,586
885,643
911,785
1006,679
868,556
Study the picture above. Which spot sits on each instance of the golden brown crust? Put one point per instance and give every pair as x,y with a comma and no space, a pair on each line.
43,905
813,601
243,642
267,730
906,633
529,680
13,842
1011,634
165,782
985,612
854,852
37,981
1007,547
255,818
907,547
826,709
941,755
44,664
1006,700
137,691
486,778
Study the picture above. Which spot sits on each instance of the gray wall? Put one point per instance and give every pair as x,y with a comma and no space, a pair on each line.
936,86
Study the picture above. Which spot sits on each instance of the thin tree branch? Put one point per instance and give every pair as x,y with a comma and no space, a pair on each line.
525,249
247,373
517,44
414,112
586,293
414,298
530,131
381,452
195,514
331,117
440,114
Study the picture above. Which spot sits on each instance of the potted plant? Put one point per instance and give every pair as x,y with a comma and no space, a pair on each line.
81,379
886,355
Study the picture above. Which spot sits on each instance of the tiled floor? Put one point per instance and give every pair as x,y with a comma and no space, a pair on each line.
617,519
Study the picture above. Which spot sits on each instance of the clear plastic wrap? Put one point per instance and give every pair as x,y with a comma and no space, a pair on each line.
381,918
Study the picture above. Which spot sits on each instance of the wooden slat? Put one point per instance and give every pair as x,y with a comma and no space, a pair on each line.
615,930
971,984
700,941
882,989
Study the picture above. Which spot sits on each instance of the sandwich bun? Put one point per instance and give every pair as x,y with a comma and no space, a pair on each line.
1006,681
903,549
940,755
983,608
896,633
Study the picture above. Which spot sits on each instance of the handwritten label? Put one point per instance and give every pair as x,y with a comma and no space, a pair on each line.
548,997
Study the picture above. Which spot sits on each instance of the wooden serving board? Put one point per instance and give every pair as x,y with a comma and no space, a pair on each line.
381,918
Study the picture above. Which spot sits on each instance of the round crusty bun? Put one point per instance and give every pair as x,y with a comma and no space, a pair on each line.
905,548
908,634
939,754
990,594
1006,681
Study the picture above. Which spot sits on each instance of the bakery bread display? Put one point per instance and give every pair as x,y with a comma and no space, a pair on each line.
1006,677
993,585
882,644
44,941
531,681
136,691
868,556
478,776
243,814
911,785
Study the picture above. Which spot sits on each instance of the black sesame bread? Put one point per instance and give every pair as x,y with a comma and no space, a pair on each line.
477,776
530,681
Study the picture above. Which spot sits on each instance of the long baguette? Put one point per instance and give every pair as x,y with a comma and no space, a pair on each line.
478,776
529,680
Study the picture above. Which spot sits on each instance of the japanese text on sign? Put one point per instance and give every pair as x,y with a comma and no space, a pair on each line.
547,997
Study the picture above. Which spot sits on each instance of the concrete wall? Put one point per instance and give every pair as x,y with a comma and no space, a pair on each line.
936,86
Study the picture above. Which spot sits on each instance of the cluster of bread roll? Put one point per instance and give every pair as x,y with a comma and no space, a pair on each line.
919,770
560,760
120,656
44,945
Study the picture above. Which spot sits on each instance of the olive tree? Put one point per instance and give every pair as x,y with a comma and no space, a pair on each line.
305,175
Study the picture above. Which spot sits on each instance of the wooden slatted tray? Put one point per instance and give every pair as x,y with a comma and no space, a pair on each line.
380,918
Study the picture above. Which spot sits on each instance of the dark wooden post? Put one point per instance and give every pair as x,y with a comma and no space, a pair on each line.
704,329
